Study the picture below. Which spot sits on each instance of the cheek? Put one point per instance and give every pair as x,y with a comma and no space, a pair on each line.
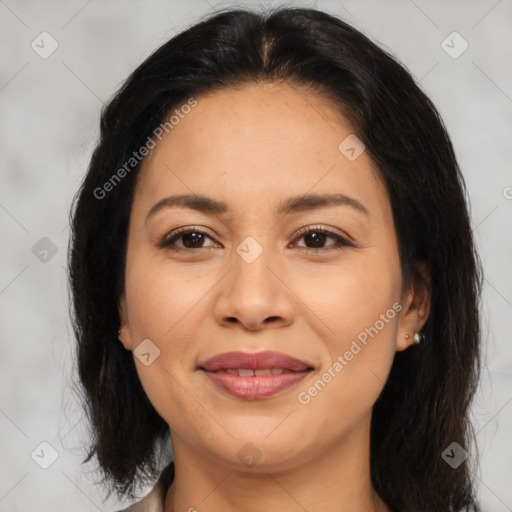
350,295
359,356
160,298
160,307
358,305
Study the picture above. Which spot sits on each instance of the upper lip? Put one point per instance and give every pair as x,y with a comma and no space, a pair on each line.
256,361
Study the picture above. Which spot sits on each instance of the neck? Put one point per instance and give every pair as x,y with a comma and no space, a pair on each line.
336,480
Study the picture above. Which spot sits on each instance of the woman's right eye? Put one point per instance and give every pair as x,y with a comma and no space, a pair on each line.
190,237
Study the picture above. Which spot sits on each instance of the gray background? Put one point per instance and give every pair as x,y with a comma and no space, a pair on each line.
49,125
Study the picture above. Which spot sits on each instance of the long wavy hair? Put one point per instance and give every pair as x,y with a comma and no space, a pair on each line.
424,406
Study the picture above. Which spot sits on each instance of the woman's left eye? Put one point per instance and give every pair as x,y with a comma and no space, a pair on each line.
316,236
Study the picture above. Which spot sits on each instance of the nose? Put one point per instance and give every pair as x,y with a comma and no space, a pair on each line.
254,295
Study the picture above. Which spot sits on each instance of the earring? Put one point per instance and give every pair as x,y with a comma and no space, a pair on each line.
417,337
119,332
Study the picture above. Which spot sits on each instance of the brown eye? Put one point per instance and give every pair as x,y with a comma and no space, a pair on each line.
315,238
190,239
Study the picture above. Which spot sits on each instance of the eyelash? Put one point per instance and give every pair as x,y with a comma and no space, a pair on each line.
341,243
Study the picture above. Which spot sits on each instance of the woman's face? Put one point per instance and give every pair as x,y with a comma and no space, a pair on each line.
253,282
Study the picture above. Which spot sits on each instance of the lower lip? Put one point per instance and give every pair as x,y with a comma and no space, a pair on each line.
254,388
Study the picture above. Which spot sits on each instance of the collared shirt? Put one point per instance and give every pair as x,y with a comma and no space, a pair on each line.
154,501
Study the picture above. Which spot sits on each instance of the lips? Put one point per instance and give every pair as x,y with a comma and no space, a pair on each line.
257,361
254,376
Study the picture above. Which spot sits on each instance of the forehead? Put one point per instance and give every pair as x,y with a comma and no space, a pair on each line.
254,143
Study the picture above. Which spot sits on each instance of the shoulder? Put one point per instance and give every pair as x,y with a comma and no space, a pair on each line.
154,501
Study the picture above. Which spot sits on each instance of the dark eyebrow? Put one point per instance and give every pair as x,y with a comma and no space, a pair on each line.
295,204
317,201
193,202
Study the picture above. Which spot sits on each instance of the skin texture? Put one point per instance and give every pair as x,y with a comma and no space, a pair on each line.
253,147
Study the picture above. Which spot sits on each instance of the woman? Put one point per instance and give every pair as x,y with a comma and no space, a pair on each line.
272,268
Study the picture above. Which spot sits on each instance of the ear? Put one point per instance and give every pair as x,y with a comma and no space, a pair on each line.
125,337
416,306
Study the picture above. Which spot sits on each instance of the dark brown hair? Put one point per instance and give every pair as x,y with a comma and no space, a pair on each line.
424,405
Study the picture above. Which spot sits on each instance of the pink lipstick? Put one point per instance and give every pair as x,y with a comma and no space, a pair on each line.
253,376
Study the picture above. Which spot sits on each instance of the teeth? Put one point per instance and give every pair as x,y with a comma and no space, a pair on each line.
262,372
248,372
